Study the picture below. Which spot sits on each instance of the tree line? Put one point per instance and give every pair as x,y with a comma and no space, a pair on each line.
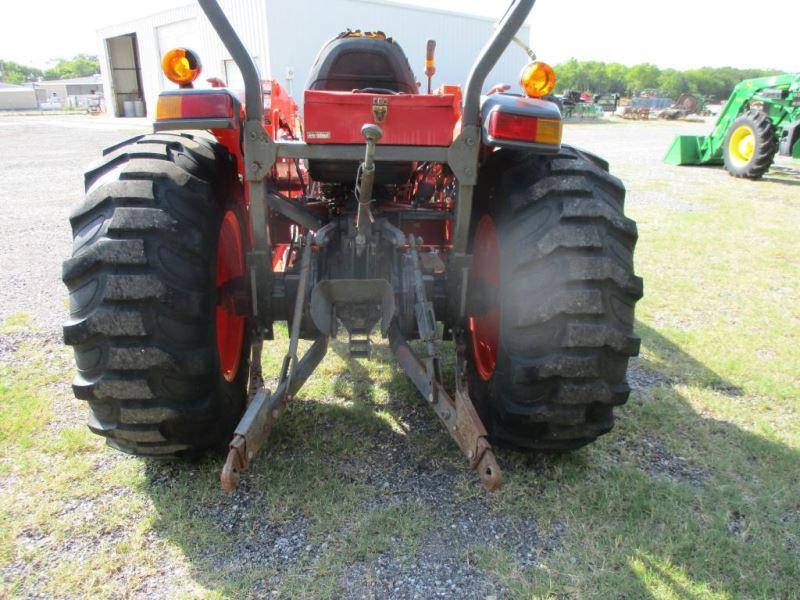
81,65
595,76
615,78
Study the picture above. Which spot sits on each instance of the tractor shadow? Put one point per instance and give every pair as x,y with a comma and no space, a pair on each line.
669,466
361,439
783,174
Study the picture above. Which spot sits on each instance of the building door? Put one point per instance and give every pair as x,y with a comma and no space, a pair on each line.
126,73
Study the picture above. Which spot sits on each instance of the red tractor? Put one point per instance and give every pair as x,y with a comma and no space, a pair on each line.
381,206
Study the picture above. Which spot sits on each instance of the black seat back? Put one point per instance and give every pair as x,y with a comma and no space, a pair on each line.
355,61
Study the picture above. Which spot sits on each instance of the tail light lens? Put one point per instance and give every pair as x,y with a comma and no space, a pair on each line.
523,128
194,106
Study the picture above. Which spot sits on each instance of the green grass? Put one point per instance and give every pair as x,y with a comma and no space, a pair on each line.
693,495
15,323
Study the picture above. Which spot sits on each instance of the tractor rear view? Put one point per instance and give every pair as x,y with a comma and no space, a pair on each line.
444,216
760,120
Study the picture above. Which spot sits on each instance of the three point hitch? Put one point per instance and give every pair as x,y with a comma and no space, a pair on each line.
457,413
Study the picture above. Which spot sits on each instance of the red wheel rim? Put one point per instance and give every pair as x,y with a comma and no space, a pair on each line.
230,326
485,329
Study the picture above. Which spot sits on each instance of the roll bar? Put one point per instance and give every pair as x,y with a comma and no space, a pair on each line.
254,99
508,27
511,22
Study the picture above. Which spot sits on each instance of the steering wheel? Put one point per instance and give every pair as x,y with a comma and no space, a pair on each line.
376,90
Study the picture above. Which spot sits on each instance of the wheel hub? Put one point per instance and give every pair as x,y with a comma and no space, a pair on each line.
742,145
485,329
230,325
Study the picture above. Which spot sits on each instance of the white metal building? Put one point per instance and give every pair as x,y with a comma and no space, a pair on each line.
76,92
284,38
17,97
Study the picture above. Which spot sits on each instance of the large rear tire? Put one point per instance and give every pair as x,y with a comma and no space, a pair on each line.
161,361
552,294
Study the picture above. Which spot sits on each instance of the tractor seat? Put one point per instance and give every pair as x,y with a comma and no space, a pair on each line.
362,61
367,62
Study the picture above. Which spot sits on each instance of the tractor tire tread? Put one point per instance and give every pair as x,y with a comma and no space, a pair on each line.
140,301
564,240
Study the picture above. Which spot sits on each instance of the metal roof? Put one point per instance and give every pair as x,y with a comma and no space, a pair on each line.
16,89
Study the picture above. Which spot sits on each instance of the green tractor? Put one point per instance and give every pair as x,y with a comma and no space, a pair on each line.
760,120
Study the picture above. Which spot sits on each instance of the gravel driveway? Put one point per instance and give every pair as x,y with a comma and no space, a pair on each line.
41,162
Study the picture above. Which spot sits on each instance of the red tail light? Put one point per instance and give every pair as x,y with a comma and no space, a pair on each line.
523,128
194,106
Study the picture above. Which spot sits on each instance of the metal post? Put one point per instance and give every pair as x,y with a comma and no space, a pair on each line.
254,105
290,361
259,157
462,155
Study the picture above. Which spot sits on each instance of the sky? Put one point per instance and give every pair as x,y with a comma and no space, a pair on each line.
680,34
